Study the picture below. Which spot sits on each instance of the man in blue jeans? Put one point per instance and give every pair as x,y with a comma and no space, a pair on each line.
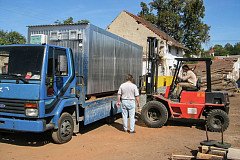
128,96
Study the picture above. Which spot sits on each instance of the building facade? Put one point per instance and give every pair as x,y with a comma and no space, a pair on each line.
136,29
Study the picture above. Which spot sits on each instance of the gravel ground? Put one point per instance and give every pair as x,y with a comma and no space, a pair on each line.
107,142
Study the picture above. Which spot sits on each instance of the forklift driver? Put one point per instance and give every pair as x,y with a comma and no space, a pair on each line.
187,80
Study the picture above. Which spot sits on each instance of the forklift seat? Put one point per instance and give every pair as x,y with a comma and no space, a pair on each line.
194,88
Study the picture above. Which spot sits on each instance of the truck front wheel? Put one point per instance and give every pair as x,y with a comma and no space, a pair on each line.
65,129
217,120
154,114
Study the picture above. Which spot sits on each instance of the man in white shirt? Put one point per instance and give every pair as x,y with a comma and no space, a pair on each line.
128,96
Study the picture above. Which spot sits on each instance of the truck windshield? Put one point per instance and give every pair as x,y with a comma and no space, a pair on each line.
21,62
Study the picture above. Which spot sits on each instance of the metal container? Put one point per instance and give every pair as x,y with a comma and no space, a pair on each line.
101,58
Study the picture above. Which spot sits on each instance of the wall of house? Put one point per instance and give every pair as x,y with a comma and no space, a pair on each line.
236,70
171,52
3,61
127,27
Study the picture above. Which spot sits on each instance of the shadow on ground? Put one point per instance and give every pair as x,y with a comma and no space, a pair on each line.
198,123
25,139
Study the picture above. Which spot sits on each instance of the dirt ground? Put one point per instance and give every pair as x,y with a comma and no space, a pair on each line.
101,141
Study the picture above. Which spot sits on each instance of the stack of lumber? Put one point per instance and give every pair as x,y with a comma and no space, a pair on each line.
211,153
220,69
220,82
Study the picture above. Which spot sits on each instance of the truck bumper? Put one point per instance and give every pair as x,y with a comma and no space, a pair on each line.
22,125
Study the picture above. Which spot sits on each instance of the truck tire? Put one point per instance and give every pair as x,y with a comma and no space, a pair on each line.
65,129
216,119
154,114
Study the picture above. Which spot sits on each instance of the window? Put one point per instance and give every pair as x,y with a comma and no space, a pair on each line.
61,60
169,49
21,60
57,62
57,68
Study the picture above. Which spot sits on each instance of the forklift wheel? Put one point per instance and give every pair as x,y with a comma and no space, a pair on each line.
65,129
217,120
154,114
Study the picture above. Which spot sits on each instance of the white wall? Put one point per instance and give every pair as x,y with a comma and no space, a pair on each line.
171,52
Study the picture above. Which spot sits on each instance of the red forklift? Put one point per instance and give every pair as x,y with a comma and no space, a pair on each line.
192,103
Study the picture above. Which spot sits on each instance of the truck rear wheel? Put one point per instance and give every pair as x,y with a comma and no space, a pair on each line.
217,120
65,129
154,114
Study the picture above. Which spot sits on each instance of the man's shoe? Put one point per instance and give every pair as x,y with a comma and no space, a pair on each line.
132,132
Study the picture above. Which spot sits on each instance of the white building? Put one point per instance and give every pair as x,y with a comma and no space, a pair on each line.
136,29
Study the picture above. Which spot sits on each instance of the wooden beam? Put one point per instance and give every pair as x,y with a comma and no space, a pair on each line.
181,157
209,156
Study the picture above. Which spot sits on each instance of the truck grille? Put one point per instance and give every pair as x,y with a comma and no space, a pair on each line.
12,106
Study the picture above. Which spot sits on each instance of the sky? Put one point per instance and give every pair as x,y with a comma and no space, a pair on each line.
221,15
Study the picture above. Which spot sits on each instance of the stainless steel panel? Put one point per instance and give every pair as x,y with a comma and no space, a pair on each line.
104,58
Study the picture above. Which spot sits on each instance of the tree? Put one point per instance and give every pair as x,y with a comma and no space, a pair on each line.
3,39
236,49
12,37
169,16
181,19
146,14
228,47
195,31
83,21
70,21
219,50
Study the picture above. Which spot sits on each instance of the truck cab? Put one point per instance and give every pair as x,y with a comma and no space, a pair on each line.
34,79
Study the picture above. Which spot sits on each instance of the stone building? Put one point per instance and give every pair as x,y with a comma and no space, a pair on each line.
136,29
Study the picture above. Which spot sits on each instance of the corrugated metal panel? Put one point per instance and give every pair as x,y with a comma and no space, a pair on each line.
104,59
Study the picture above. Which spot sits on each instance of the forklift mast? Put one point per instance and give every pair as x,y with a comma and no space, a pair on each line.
152,68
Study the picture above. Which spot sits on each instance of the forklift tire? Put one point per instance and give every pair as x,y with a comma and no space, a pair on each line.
217,120
65,129
154,114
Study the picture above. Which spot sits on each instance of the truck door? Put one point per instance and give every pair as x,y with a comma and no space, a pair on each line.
60,82
57,72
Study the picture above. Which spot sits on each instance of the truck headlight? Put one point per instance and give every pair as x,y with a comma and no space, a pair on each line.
31,109
31,112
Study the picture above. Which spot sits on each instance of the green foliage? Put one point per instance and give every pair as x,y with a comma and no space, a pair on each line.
70,21
228,49
220,51
12,37
146,14
169,16
83,21
181,19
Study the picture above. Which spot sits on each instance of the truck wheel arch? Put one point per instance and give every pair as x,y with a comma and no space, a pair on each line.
65,129
65,106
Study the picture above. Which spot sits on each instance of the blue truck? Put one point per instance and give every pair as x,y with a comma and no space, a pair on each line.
67,74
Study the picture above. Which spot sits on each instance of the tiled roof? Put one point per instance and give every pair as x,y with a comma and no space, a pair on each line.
156,30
